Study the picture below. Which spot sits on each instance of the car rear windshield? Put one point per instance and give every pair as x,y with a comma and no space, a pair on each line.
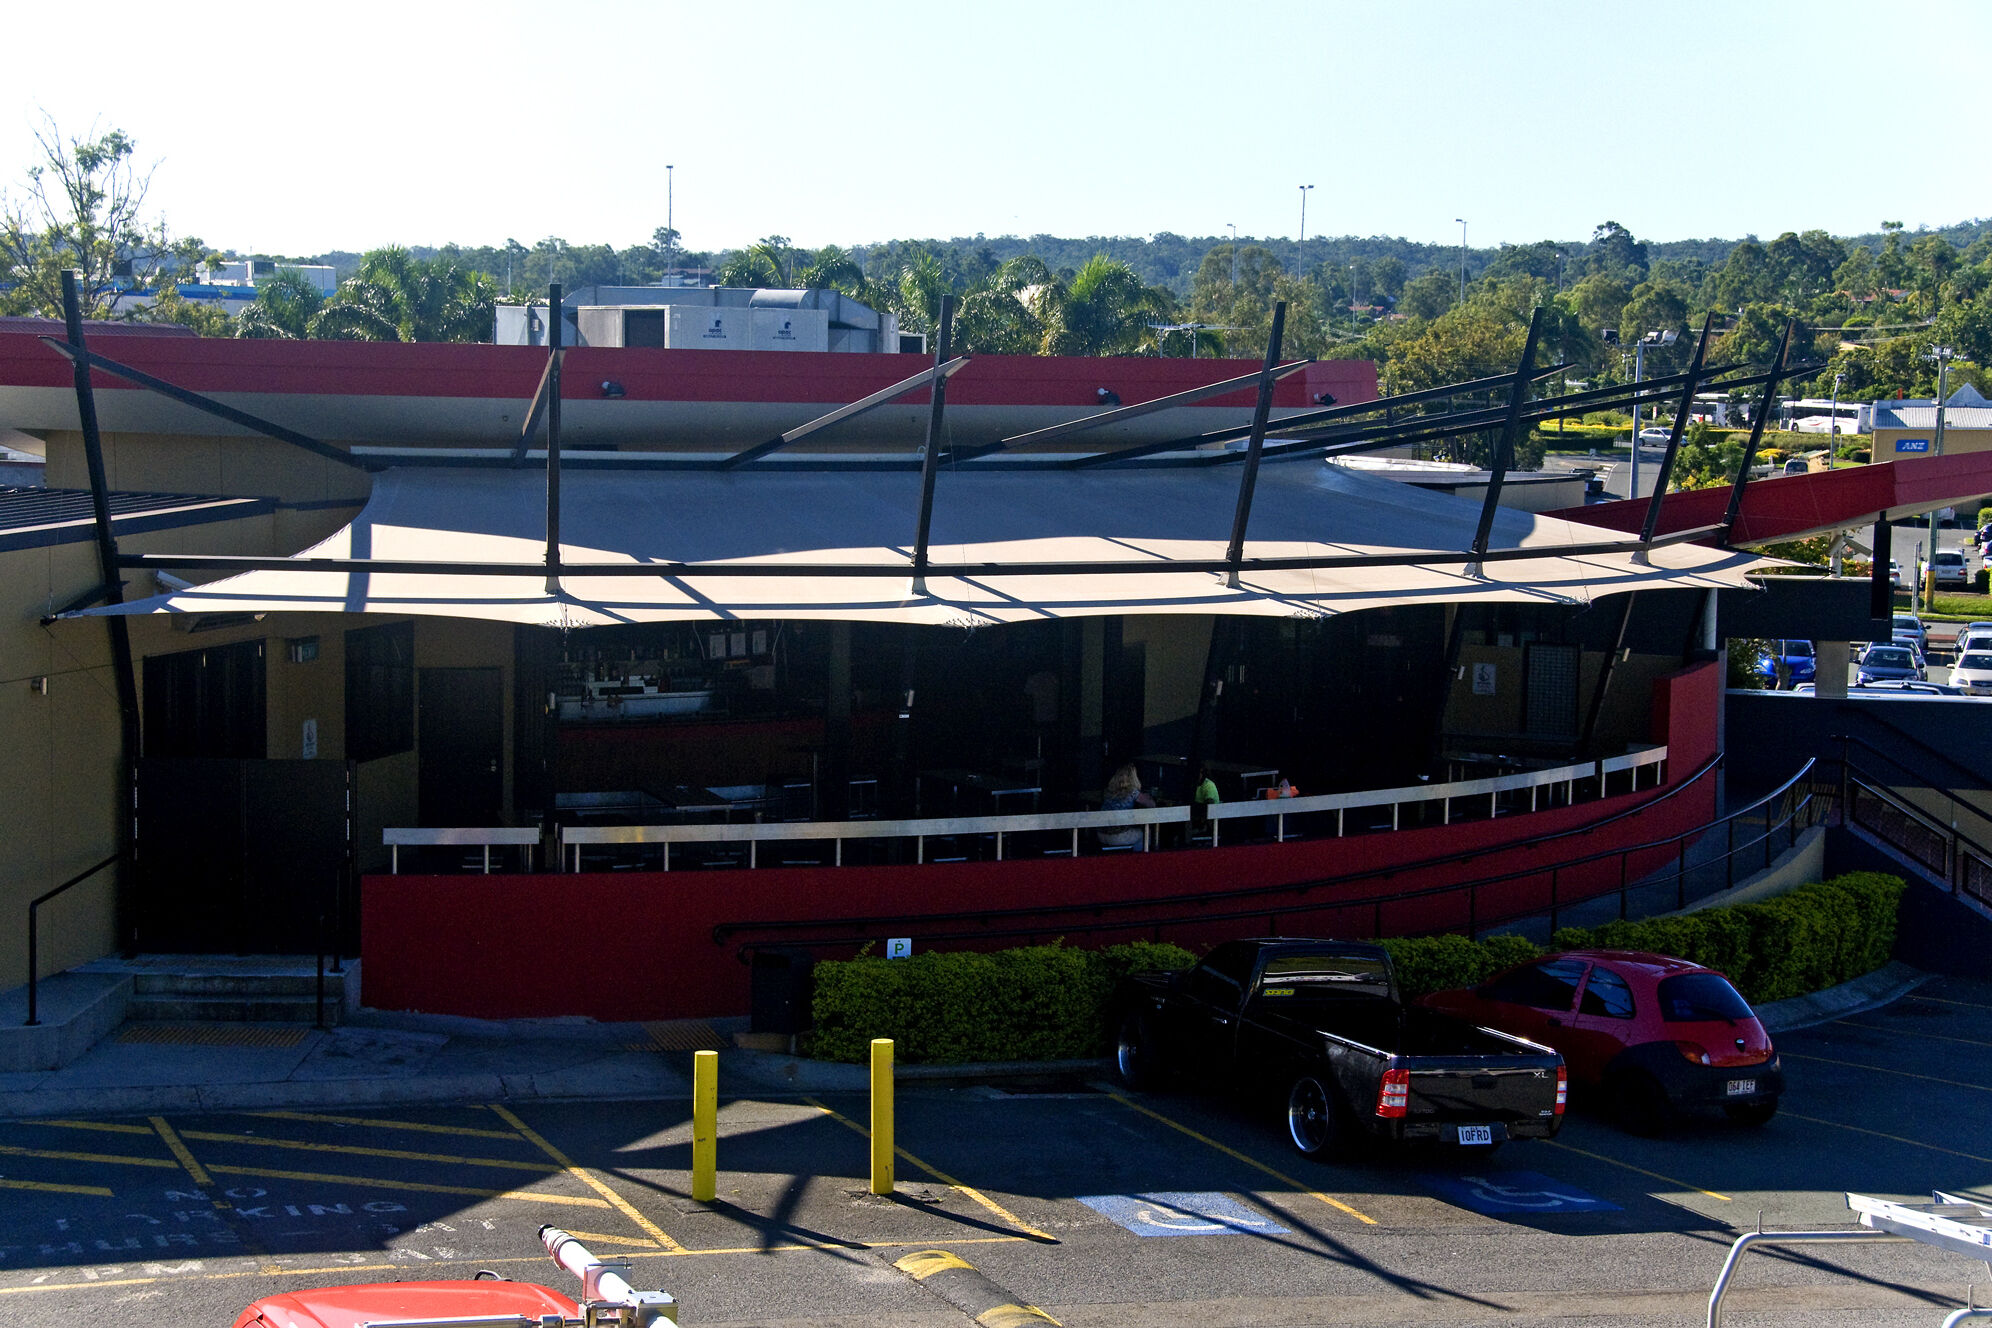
1951,556
1975,662
1321,978
1898,658
1697,997
1798,648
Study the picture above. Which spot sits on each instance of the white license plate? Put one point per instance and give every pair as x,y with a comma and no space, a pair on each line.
1476,1134
1742,1087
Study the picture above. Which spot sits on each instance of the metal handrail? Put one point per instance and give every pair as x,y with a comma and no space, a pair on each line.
34,906
1145,818
1947,795
503,836
1958,844
725,930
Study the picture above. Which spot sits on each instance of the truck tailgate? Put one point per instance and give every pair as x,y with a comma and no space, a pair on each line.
1481,1088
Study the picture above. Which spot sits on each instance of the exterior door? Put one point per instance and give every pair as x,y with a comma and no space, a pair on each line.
460,741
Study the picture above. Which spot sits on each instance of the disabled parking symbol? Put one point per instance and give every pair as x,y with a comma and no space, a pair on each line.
1181,1213
1513,1192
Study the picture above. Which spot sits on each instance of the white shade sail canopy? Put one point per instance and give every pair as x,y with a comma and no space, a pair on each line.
783,520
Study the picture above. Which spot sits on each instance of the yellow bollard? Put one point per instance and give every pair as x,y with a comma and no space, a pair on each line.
881,1131
705,1125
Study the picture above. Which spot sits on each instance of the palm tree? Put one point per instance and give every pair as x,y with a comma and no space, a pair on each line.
397,297
287,308
1104,310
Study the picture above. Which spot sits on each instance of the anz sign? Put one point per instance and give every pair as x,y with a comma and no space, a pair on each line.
1912,444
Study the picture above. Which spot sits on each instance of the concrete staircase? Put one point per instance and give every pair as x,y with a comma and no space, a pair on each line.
231,988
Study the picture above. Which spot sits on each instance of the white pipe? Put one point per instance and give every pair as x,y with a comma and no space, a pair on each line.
572,1255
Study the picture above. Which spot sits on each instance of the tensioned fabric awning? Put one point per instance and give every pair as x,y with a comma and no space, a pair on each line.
777,524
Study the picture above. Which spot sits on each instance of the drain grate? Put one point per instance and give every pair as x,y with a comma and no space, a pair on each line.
680,1035
212,1035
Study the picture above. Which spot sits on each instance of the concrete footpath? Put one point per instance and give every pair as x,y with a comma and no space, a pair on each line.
378,1059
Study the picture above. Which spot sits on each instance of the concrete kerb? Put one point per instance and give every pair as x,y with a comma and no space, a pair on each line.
1889,983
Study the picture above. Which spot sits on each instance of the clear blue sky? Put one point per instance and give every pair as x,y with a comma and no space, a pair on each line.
298,128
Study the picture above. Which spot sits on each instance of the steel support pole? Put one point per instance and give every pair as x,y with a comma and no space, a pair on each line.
1255,447
930,455
1666,475
1757,430
1504,447
553,331
107,563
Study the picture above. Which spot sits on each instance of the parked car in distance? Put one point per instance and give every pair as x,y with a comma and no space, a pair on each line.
1972,674
1322,1023
1909,689
1894,572
1953,569
1797,466
1910,624
1653,1035
1882,663
1797,657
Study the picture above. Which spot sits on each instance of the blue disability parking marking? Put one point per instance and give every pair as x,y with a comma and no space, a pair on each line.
1513,1192
1178,1213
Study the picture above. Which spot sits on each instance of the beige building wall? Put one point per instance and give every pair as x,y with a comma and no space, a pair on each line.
1955,441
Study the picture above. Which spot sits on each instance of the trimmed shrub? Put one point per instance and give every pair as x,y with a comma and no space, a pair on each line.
1426,964
1806,940
1035,1003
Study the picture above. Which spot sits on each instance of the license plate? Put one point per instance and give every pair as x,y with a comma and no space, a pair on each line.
1476,1134
1742,1087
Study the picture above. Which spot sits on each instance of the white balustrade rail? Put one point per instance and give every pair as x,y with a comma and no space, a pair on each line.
486,837
1647,766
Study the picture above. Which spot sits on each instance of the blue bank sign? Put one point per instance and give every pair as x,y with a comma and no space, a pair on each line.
1912,444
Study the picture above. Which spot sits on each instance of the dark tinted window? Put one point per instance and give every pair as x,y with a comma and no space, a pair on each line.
1548,985
1317,977
1607,995
1220,978
380,691
1696,997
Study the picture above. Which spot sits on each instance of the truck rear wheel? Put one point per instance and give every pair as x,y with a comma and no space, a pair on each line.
1314,1124
1136,1054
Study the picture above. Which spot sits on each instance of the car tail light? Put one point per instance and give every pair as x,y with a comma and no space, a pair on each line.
1393,1097
1562,1087
1693,1052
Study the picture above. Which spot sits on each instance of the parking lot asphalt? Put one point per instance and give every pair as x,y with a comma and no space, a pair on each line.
1098,1205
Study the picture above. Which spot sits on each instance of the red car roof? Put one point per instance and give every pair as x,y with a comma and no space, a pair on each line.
1658,965
351,1306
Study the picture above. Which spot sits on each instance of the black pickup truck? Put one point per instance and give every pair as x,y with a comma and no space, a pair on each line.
1320,1022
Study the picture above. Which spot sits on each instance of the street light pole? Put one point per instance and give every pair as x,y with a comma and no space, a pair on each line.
1462,258
1300,247
670,233
1234,252
1942,355
1833,423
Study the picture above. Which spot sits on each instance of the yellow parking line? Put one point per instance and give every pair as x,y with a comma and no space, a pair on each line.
977,1195
424,1187
123,1158
346,1269
1969,1005
1893,1138
465,1130
1912,1032
97,1190
180,1151
1585,1152
106,1127
1252,1162
601,1238
399,1155
586,1177
1889,1070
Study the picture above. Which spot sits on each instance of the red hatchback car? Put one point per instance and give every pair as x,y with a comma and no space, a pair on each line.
1655,1034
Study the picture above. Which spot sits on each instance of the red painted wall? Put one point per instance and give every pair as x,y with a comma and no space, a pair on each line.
631,945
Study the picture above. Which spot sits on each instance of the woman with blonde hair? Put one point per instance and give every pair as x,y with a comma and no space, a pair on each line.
1123,793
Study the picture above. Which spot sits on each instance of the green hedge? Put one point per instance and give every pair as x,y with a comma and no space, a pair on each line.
1427,964
1036,1003
1050,1002
1806,940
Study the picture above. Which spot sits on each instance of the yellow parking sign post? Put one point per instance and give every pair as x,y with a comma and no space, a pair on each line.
705,1126
881,1121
